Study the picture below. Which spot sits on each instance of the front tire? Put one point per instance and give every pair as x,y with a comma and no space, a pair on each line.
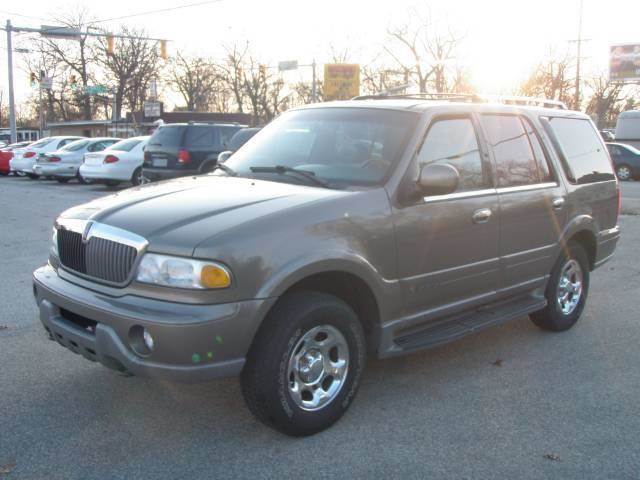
33,176
566,291
82,180
305,365
62,180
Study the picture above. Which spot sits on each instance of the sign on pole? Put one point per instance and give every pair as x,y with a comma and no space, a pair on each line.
624,62
96,90
152,109
341,81
288,65
56,31
46,83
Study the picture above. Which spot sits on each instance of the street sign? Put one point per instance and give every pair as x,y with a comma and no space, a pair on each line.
56,31
96,90
152,109
288,65
341,81
46,83
624,63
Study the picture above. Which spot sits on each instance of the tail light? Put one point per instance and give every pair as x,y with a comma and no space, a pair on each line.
183,156
53,159
110,159
29,154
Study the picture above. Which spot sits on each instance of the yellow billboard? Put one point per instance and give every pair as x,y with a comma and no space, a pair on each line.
341,81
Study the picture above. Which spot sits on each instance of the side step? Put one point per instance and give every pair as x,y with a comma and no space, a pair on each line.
452,328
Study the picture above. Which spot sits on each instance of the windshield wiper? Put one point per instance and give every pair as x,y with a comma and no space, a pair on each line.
228,170
282,169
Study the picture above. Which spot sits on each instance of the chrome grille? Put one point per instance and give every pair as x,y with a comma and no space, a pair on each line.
97,257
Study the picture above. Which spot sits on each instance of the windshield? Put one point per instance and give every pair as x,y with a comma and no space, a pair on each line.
343,146
74,146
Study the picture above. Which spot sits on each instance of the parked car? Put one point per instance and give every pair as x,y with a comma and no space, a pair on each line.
241,137
6,154
121,162
24,159
64,164
180,149
628,128
626,160
380,226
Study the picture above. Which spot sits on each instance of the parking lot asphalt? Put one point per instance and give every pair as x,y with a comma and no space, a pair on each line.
509,402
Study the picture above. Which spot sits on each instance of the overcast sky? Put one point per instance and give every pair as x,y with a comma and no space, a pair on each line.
503,38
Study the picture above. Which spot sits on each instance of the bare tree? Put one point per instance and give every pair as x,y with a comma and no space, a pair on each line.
130,68
424,50
608,99
551,79
195,78
74,55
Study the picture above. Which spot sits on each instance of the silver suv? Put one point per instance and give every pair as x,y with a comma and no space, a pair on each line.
375,226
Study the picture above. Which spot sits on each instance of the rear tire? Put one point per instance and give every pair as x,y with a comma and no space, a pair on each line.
623,172
137,178
305,364
62,180
566,291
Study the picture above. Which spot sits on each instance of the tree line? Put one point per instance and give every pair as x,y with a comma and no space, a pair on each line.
420,54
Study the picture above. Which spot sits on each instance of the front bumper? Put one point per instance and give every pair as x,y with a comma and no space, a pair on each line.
192,342
55,170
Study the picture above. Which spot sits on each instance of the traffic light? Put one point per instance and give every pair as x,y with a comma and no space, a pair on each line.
33,79
163,49
73,80
238,72
110,44
262,70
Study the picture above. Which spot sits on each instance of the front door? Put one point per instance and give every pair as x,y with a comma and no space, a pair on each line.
448,256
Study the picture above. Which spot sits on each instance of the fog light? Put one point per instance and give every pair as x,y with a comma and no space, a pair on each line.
148,339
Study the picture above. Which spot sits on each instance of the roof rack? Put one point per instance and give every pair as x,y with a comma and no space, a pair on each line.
470,98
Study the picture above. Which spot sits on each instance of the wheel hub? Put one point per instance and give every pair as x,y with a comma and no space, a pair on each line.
318,366
569,289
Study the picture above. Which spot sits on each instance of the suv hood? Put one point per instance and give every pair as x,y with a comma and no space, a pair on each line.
177,215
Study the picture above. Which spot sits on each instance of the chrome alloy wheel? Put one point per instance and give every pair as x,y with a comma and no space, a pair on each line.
569,289
318,367
623,172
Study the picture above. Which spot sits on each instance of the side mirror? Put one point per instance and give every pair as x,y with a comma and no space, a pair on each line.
438,179
224,156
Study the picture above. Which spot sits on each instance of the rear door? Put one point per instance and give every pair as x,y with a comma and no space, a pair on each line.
202,142
448,244
532,201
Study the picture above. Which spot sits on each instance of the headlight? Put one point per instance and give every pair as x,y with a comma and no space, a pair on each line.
182,272
54,242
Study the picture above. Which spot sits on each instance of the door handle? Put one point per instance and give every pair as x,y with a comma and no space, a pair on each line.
558,203
482,215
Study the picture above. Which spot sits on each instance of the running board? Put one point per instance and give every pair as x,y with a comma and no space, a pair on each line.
452,328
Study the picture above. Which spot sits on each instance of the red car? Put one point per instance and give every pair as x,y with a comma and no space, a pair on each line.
6,154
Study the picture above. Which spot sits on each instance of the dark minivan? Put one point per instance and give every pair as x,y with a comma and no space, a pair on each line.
181,149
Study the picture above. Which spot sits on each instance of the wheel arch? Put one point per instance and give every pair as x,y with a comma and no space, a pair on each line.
583,231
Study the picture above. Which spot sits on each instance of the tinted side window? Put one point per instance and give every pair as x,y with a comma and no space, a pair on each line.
542,162
226,134
583,150
454,142
515,164
200,137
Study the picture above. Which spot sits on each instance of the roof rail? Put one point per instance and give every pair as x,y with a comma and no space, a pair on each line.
470,98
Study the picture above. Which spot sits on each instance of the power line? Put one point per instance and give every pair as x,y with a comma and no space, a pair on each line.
22,15
161,10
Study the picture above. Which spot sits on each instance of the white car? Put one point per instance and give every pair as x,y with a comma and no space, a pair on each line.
24,159
122,162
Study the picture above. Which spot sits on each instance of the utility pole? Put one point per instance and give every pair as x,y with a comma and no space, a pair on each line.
12,105
314,87
579,42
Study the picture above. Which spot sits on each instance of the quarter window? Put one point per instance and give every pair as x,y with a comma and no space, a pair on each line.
542,161
454,141
515,163
582,149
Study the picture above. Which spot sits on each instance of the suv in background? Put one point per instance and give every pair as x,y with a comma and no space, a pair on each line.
180,149
383,225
